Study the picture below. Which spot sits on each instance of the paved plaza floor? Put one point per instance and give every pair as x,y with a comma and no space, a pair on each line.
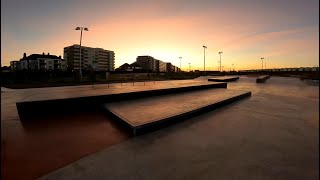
274,134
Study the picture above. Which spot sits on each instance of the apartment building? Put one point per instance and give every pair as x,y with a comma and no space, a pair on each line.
147,62
162,66
170,67
91,58
155,65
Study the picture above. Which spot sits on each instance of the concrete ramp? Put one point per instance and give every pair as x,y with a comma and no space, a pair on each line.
148,114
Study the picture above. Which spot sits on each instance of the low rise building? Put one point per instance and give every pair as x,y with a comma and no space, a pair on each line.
15,65
39,62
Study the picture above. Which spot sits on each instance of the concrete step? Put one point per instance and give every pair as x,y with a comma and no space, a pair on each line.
84,98
148,114
262,79
224,79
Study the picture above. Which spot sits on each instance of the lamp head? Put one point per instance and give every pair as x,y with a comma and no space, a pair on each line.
78,28
86,29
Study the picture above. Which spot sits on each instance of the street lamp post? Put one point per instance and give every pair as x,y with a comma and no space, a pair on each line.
262,64
189,67
86,29
180,62
220,60
204,60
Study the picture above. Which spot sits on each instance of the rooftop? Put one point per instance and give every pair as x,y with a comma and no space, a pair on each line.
36,56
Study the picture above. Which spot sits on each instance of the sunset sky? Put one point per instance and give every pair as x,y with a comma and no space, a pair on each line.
284,32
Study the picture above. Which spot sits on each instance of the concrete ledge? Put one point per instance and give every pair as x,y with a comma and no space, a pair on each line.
224,79
34,108
145,115
262,79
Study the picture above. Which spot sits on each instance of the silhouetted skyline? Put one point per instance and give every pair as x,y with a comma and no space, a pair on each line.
285,32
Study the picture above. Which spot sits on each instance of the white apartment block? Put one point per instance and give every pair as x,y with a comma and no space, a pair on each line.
91,58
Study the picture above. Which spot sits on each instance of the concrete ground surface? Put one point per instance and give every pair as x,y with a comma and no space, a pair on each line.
35,148
274,134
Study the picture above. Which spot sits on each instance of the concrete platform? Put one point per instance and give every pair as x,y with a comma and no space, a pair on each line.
66,101
224,79
262,79
148,114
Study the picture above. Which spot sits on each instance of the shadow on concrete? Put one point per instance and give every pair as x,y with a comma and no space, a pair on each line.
46,143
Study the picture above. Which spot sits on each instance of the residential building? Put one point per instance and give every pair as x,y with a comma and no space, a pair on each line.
155,65
147,62
162,66
5,69
36,62
150,63
136,66
129,67
91,58
15,65
169,67
157,62
174,68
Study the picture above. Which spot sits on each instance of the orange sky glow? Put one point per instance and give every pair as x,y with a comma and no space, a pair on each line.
168,30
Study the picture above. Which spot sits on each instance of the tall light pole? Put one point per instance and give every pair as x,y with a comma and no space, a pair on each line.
180,62
189,67
262,64
220,60
204,60
232,67
86,29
